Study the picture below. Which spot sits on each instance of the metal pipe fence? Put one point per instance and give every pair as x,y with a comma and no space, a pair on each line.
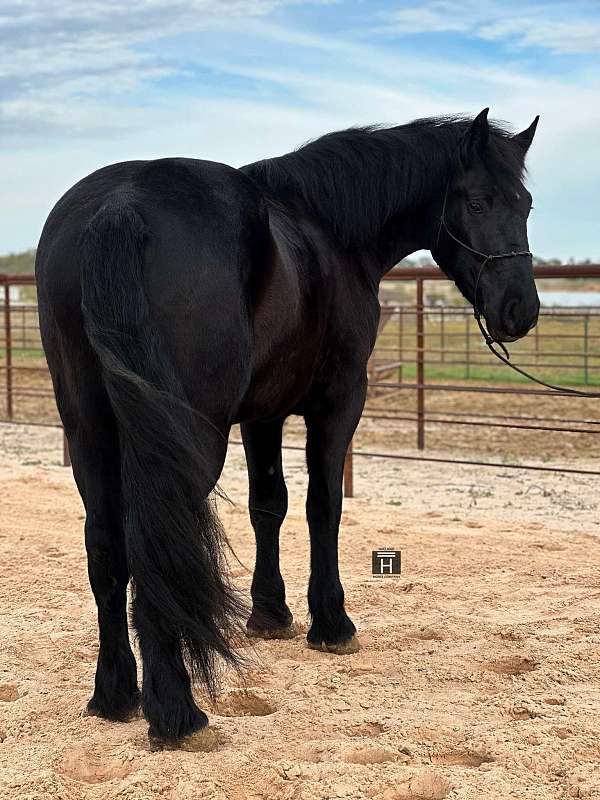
424,351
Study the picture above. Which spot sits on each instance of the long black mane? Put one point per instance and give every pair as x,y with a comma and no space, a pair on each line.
357,179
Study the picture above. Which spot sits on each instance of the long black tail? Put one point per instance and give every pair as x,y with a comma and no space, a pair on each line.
173,537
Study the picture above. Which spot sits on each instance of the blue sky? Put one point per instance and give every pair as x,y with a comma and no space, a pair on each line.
83,84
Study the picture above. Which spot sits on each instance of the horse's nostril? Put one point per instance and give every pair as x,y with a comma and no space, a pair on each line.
510,317
517,317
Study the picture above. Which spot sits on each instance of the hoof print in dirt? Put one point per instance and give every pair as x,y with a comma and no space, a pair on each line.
512,665
8,693
241,703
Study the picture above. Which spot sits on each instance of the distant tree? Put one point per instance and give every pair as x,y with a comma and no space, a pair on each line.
18,263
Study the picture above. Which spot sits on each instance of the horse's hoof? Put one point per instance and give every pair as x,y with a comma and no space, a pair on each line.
127,714
287,632
203,741
342,649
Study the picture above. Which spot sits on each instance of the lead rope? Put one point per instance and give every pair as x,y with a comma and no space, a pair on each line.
504,357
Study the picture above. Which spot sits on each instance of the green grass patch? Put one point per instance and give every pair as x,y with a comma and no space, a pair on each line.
23,352
492,374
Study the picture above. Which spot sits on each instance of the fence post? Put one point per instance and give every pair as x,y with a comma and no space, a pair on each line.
420,368
442,334
66,453
467,348
8,351
349,472
400,342
586,331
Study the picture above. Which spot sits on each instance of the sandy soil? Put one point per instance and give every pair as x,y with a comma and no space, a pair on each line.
479,673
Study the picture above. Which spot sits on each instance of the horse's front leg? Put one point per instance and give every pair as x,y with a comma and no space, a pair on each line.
330,425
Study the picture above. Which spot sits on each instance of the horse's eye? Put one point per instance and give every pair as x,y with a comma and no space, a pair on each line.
475,207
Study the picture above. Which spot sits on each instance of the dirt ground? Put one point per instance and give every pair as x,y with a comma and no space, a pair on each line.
478,677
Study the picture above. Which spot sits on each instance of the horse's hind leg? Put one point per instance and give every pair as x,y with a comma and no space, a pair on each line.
94,449
270,617
96,467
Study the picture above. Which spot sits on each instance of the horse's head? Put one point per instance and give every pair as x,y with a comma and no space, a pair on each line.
484,213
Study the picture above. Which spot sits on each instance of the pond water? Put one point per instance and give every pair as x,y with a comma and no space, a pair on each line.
569,299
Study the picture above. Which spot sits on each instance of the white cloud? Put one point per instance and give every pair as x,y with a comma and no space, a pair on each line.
566,28
436,17
564,37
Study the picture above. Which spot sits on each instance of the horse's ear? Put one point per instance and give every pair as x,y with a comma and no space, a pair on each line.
525,138
476,138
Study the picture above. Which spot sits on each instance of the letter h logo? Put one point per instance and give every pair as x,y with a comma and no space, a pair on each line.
386,562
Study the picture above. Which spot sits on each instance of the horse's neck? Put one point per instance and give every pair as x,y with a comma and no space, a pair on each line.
413,231
309,237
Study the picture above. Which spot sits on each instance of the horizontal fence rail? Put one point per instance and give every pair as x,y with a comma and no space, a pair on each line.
426,350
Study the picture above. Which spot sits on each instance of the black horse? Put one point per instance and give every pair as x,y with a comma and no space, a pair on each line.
178,297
